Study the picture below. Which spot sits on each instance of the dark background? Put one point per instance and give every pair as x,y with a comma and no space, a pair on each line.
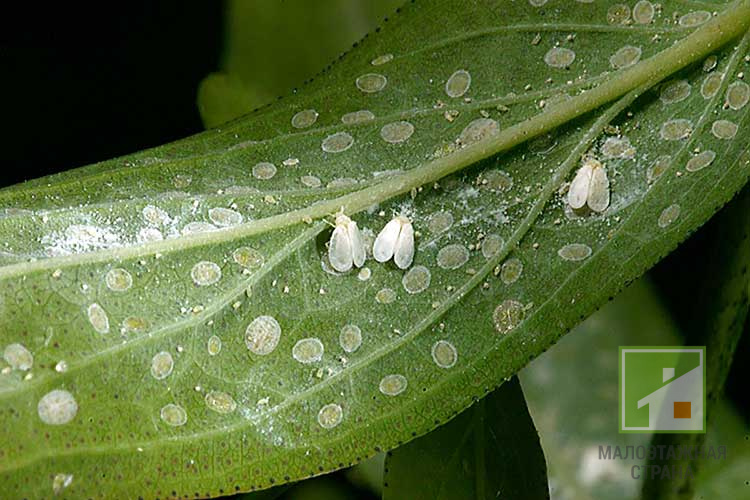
87,82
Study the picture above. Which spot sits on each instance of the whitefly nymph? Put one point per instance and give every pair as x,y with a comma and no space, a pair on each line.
396,241
590,187
346,247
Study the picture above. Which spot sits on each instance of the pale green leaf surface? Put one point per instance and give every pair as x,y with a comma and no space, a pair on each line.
64,233
489,451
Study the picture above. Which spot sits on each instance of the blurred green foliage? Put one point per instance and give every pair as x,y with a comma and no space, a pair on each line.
274,46
572,394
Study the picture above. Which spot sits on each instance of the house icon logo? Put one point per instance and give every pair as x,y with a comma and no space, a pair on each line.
662,389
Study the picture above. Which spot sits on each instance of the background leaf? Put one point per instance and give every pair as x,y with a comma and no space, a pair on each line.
716,319
268,49
90,289
572,395
489,451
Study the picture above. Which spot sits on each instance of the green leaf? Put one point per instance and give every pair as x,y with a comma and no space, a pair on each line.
102,304
368,475
572,394
489,451
321,488
716,319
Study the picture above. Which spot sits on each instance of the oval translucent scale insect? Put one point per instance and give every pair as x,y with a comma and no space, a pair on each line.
346,247
396,241
590,187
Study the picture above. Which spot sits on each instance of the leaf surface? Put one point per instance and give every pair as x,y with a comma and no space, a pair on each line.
122,279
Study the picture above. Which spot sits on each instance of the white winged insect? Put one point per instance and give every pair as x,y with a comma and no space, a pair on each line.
590,187
346,247
395,240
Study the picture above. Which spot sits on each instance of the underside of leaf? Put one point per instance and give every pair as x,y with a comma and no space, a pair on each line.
188,336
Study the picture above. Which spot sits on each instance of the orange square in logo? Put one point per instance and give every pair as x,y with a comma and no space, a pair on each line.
682,409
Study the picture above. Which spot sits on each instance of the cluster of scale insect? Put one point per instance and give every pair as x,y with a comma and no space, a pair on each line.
347,248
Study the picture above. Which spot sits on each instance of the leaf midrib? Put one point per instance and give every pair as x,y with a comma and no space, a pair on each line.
411,113
462,106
